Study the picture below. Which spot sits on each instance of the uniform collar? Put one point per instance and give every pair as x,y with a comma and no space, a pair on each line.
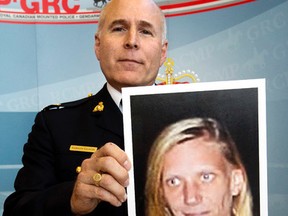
116,95
107,112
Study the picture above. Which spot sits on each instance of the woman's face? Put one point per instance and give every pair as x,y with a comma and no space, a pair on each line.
197,180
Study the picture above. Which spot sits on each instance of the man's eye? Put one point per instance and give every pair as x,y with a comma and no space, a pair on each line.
118,29
207,177
173,182
146,32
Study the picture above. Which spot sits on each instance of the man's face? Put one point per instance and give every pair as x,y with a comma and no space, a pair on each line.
197,180
129,46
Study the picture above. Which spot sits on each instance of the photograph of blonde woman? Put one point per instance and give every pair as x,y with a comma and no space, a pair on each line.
194,168
196,151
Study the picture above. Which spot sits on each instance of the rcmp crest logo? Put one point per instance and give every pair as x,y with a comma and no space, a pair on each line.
180,77
83,11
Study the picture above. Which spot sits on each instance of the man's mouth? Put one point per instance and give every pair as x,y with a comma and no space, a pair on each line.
131,61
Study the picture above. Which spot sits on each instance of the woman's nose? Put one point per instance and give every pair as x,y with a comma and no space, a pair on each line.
192,194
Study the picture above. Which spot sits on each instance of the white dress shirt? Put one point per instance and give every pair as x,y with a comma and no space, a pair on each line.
116,95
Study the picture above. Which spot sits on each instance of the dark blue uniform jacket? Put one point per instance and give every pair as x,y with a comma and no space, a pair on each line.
44,185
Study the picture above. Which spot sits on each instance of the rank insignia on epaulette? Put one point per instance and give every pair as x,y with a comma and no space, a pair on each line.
99,107
53,107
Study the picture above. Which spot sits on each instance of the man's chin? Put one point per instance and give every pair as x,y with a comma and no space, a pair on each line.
132,82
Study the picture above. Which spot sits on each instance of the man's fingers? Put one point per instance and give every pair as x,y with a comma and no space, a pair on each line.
107,189
110,184
103,177
86,197
107,165
106,182
110,166
112,150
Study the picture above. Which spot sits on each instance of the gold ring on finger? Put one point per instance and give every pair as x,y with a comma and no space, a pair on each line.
97,179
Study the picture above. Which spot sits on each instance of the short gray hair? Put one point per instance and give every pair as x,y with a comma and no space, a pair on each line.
163,20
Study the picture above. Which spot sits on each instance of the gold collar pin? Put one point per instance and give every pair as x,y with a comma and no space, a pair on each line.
99,107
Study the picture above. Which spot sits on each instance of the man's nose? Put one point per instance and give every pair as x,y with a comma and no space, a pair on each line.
132,40
192,193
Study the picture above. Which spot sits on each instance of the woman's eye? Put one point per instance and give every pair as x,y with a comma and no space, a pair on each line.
173,182
207,177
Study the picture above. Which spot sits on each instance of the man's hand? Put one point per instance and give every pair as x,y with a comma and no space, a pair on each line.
113,164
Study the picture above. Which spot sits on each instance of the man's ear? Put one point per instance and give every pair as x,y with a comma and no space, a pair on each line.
237,181
164,50
97,46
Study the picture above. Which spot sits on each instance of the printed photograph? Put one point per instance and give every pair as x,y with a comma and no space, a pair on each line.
197,148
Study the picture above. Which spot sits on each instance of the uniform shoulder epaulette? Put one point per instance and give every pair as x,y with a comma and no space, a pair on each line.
67,104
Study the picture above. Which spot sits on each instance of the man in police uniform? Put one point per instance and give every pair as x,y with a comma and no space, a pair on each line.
74,163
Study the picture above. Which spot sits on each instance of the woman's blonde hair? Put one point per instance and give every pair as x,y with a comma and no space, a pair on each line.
180,132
